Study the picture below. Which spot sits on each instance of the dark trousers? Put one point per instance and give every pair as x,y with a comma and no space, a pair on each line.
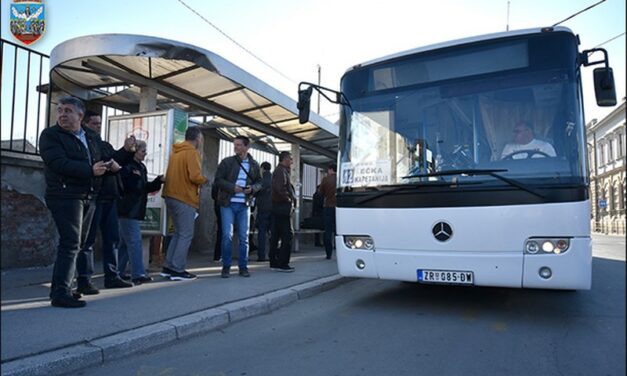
217,250
329,230
281,231
105,219
264,218
73,218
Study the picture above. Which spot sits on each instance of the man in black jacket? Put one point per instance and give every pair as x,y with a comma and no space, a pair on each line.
132,210
105,216
283,201
238,179
72,167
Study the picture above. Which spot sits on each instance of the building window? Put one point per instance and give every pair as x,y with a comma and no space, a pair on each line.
601,154
610,150
620,150
613,204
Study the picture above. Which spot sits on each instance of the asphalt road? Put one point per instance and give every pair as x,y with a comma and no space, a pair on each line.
372,327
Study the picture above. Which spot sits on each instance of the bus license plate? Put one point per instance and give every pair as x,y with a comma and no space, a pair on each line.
455,277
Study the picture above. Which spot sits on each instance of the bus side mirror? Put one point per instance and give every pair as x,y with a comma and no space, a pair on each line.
304,104
604,88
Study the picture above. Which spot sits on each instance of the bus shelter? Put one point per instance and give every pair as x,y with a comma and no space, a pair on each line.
143,75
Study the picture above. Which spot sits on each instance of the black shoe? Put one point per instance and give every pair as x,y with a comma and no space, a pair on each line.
166,272
117,283
85,287
244,273
67,302
328,257
284,269
226,272
125,277
76,294
183,276
142,279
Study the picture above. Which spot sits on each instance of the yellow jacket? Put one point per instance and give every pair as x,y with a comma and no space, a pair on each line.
183,177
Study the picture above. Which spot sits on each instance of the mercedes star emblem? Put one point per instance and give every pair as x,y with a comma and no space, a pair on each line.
442,231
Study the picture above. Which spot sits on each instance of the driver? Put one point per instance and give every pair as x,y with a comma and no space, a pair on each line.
524,140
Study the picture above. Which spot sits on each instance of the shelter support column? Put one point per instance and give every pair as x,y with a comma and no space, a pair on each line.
151,245
206,230
296,182
147,99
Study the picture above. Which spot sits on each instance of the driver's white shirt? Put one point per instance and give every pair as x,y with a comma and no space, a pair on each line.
535,144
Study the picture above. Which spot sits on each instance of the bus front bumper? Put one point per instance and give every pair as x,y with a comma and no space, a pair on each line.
569,270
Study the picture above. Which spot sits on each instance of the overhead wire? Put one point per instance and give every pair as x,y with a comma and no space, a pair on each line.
609,40
235,42
581,11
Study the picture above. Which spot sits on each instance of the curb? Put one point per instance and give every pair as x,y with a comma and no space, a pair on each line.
98,351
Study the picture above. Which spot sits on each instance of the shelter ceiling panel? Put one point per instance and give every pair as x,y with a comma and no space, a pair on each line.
240,100
86,79
201,82
74,71
290,127
270,115
293,126
225,122
150,67
311,134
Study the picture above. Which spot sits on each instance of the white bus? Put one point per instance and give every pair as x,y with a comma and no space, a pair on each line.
465,162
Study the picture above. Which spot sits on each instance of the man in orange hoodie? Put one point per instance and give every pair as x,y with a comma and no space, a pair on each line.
182,198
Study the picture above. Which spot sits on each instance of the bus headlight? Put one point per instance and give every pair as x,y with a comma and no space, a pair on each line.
547,245
532,247
359,242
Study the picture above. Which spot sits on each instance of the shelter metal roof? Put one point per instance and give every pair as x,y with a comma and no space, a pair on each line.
111,68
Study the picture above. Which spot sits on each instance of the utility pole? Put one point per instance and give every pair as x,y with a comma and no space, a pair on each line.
319,69
507,26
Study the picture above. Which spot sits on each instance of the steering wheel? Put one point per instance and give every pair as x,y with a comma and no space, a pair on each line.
529,152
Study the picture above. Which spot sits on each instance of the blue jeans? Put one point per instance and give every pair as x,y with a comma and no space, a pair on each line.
131,247
235,215
73,218
105,219
263,227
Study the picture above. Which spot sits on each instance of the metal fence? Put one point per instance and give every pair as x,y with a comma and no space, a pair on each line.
22,79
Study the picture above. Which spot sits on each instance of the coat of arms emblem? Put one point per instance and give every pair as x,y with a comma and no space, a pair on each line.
27,20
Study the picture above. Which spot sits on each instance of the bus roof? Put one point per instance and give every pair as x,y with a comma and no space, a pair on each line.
461,41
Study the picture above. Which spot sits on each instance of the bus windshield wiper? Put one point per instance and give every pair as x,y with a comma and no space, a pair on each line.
399,188
490,172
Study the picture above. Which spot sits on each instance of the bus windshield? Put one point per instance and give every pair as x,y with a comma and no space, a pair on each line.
510,105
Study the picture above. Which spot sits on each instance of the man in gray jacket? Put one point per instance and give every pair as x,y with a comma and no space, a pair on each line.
238,178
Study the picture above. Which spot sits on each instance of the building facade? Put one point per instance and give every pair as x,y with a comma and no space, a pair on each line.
606,161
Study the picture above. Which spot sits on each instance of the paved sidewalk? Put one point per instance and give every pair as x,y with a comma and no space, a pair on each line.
40,339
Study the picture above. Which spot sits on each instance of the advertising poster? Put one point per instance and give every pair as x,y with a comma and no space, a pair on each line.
157,129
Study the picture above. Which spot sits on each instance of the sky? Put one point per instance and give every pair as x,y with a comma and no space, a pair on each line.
295,37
